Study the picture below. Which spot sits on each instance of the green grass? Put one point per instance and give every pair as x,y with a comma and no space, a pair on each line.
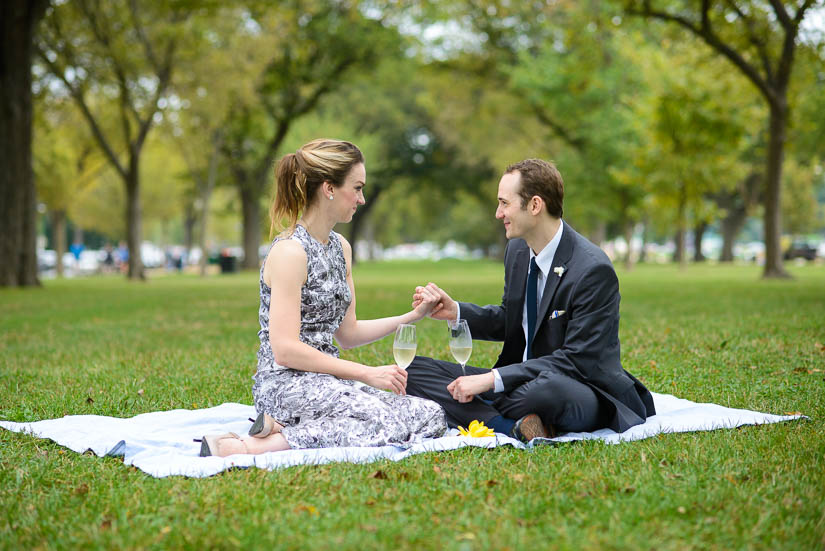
710,334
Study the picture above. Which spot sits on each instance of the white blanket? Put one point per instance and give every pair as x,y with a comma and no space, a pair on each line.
161,443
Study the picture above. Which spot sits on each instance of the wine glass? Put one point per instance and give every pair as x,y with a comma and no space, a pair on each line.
403,347
461,342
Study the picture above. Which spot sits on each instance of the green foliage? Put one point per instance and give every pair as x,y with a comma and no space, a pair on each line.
88,346
644,123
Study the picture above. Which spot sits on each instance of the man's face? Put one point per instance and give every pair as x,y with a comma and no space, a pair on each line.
517,220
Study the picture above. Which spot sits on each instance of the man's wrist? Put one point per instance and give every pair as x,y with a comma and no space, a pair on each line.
498,384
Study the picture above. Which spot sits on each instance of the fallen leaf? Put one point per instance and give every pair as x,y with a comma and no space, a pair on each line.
306,509
682,510
379,474
140,392
369,528
820,346
165,530
628,489
437,469
793,413
466,536
106,524
83,489
518,477
751,367
370,502
652,364
90,400
491,483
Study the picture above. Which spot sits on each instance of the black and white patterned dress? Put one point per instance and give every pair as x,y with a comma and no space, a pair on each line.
320,410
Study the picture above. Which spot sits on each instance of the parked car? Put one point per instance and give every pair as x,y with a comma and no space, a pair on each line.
800,249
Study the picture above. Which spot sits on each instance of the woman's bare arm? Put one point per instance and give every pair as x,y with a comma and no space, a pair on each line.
285,273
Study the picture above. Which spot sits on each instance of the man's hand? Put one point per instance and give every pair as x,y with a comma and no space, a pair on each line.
466,388
425,300
445,310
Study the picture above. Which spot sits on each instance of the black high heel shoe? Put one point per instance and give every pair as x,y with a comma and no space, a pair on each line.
211,443
263,426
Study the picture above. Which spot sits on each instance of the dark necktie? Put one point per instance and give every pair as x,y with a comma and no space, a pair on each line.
532,304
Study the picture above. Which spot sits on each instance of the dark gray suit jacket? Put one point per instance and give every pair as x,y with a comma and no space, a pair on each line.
582,343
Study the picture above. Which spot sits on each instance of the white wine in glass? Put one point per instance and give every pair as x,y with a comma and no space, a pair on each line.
461,342
403,347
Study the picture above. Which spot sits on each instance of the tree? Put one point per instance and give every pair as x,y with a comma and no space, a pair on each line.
316,46
18,254
121,54
579,88
760,40
66,160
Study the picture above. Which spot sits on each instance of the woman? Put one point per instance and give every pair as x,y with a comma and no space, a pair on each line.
305,395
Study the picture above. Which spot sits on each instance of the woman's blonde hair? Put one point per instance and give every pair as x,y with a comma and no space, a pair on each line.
299,175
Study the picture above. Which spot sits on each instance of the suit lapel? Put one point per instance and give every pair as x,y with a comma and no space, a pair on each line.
518,282
560,260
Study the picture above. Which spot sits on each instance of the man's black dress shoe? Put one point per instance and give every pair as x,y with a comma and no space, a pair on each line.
529,427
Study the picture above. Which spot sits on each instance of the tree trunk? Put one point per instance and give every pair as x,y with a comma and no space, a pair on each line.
681,228
643,251
628,237
59,235
133,220
358,220
698,235
18,202
773,189
189,220
597,235
679,242
731,226
251,211
206,195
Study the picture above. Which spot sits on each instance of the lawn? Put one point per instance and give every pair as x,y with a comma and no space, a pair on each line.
717,334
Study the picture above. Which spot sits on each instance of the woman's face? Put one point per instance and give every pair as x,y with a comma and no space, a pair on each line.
347,197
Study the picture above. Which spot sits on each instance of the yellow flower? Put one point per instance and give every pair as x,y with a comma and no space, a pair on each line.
476,430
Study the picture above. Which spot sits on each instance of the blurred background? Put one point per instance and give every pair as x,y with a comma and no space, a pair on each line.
685,131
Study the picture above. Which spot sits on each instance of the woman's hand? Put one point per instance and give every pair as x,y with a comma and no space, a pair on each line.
386,377
425,299
445,308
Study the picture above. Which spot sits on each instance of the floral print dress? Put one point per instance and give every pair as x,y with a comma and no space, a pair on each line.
319,410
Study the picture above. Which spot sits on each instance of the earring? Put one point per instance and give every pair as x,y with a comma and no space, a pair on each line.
330,197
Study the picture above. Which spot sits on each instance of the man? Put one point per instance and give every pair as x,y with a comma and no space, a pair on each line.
559,369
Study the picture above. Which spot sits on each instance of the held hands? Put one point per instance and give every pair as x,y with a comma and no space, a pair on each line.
432,301
386,377
464,389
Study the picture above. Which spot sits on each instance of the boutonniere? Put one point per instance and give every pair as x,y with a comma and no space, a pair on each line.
559,270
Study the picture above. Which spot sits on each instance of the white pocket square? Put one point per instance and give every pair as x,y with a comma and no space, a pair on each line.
556,313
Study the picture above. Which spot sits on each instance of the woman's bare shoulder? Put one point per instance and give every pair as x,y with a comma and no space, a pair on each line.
286,256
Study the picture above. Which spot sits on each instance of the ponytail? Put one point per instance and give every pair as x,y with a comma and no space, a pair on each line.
290,194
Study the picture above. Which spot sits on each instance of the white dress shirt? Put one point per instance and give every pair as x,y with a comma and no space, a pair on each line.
544,260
